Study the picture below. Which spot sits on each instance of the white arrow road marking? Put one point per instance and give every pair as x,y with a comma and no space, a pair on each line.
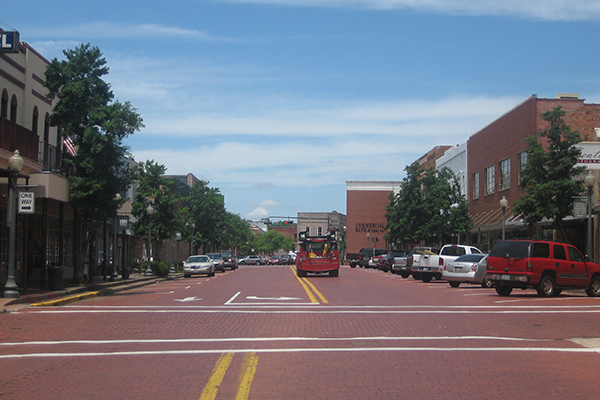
271,298
189,299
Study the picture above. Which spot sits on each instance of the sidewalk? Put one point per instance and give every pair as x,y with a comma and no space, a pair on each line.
71,294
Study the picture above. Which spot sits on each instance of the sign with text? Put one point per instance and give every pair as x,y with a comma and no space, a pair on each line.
9,42
26,202
590,155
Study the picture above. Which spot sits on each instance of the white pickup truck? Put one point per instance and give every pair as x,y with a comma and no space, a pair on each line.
428,266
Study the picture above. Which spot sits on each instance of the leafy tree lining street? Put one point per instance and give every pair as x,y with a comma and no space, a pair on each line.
87,113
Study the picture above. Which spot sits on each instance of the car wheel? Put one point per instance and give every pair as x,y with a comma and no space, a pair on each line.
503,290
593,290
416,276
334,273
454,284
186,276
426,278
212,273
487,284
546,287
404,274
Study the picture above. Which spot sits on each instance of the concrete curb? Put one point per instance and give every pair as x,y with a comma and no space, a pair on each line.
75,294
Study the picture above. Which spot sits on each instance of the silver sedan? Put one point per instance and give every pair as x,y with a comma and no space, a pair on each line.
198,265
469,268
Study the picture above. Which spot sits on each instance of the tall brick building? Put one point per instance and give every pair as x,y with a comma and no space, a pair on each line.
496,156
365,209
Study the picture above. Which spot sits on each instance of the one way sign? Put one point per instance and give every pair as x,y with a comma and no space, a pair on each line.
26,202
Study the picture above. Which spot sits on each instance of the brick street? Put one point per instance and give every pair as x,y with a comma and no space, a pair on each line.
263,333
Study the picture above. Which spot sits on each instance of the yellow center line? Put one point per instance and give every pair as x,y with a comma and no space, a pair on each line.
246,376
212,387
323,299
312,298
305,284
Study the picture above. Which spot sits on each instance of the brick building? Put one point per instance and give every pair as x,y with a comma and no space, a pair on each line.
497,154
366,202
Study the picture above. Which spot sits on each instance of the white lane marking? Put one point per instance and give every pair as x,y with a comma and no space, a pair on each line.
286,310
272,298
184,300
307,350
272,339
233,298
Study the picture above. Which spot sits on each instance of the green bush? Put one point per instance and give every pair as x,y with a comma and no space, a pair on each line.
162,269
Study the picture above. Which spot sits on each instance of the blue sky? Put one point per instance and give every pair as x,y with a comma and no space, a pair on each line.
279,102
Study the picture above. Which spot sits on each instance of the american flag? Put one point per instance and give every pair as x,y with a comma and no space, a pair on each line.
70,146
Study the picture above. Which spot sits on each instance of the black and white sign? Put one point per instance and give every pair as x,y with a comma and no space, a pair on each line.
26,202
9,42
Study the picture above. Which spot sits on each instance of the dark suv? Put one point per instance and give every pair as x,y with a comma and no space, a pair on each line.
547,266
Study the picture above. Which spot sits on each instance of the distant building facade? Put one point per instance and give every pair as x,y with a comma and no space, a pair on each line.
366,203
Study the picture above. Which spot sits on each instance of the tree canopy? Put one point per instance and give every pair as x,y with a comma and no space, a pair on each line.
428,207
551,178
86,112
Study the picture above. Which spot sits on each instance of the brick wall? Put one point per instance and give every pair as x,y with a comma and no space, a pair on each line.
365,214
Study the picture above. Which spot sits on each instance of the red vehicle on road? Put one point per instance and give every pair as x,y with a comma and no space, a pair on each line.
318,255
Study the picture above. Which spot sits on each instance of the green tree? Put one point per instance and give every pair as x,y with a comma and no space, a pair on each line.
551,178
273,241
237,232
86,112
428,207
163,194
206,209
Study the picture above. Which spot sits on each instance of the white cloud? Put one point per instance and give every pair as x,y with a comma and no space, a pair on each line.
116,30
408,118
553,10
269,203
257,213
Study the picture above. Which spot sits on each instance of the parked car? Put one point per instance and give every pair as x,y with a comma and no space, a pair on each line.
363,258
420,256
250,260
286,259
218,261
470,268
401,265
274,260
230,261
385,262
199,264
549,267
431,266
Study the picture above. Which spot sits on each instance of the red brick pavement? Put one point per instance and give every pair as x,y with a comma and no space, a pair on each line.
380,316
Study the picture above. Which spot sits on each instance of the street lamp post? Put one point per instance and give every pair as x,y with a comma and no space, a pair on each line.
503,205
193,226
149,211
115,257
589,182
15,163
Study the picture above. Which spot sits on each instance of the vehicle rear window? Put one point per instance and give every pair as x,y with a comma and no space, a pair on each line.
470,258
453,251
510,249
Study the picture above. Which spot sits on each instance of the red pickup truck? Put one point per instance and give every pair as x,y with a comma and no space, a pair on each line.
547,266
